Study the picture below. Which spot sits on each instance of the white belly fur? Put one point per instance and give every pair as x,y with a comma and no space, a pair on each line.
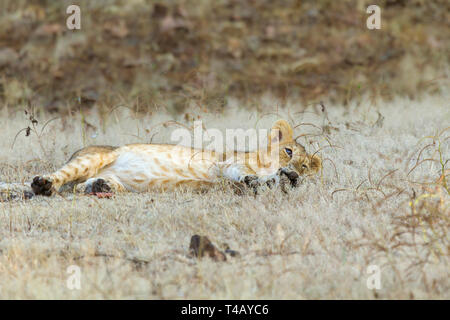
137,170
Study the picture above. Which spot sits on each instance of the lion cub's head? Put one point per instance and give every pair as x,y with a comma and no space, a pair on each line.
291,154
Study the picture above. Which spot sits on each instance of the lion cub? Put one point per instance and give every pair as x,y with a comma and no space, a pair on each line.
143,167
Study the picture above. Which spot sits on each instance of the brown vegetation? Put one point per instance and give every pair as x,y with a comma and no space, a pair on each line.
179,53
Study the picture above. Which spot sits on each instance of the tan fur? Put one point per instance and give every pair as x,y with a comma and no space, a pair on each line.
140,167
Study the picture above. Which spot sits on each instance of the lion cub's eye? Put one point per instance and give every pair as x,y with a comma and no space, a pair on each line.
288,151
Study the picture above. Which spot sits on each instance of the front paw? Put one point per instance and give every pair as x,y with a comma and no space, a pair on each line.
42,186
256,183
292,176
251,181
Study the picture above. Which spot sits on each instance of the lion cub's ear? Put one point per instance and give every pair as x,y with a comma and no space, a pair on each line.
280,133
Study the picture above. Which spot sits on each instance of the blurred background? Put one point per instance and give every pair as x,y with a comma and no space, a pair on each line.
179,53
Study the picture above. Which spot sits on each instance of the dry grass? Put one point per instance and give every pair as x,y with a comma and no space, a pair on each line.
382,199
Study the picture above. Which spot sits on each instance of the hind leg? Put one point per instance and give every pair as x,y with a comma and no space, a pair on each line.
83,165
76,170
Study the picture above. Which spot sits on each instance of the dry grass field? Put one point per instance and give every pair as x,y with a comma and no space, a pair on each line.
382,199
